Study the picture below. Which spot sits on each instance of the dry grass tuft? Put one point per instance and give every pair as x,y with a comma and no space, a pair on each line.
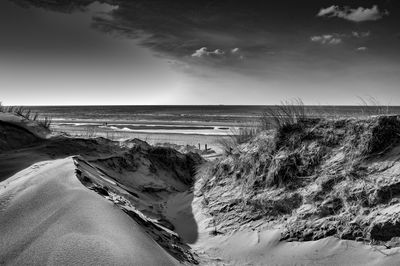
26,113
371,106
229,143
284,115
45,122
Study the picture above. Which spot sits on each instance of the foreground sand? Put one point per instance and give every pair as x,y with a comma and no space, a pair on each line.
263,246
67,201
49,217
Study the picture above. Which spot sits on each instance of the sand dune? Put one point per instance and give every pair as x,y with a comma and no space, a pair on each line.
324,193
263,247
67,201
48,217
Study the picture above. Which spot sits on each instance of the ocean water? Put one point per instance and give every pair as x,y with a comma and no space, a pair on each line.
180,115
202,120
182,125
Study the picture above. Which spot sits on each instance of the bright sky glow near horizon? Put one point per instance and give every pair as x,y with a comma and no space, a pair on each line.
178,52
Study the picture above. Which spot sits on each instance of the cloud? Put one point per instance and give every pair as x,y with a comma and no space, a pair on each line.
361,34
226,56
203,51
327,11
235,51
359,14
362,49
337,38
326,39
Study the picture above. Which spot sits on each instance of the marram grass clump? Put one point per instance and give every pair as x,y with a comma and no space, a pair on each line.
321,165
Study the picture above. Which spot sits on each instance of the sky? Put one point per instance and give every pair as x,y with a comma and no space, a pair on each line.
157,52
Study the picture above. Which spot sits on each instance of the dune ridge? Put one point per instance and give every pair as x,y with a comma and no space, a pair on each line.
55,186
317,181
50,218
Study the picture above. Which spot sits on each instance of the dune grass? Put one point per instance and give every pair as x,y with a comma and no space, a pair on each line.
278,117
371,106
237,137
292,124
289,112
43,121
283,117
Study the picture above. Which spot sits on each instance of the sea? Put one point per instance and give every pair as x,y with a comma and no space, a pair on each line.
194,125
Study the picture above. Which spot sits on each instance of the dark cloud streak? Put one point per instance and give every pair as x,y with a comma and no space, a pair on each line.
179,27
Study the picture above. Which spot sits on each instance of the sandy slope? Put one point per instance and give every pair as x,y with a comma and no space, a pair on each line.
31,126
245,204
263,247
48,217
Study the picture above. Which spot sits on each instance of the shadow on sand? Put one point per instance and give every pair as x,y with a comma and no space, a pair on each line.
179,212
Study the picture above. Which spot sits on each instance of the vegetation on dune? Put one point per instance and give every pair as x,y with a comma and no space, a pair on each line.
237,137
43,121
290,116
371,106
281,117
287,114
314,175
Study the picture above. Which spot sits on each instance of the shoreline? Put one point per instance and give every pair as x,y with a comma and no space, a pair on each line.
154,138
152,122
